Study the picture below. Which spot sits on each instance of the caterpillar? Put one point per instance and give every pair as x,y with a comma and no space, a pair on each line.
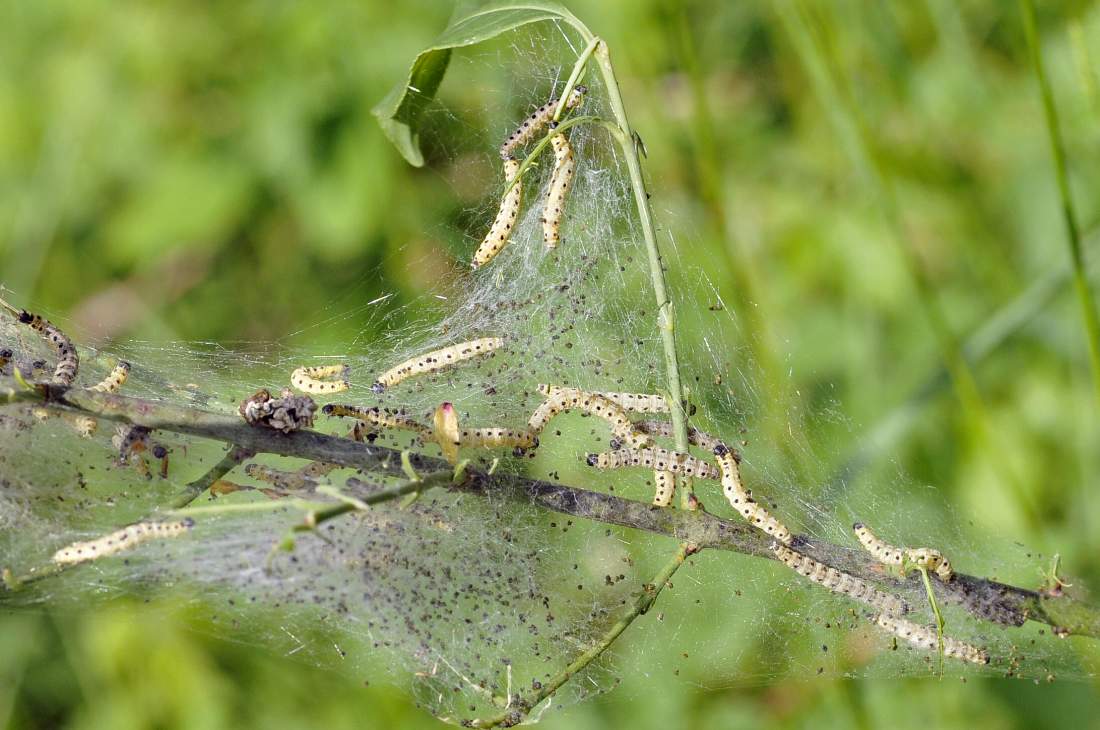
499,437
664,429
656,459
435,360
561,179
497,237
567,399
742,500
633,402
664,486
375,416
309,379
927,558
68,361
839,582
114,380
533,124
120,540
924,637
612,407
85,426
445,422
5,357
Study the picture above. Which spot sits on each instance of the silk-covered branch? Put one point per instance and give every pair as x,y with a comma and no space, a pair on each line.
985,599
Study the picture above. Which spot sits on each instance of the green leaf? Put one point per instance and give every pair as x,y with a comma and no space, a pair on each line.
401,110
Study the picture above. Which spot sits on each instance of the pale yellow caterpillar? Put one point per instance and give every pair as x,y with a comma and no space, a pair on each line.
435,360
312,379
381,417
497,237
664,483
68,361
121,540
656,459
114,380
664,429
560,400
85,426
839,582
561,179
924,637
498,437
927,558
742,500
633,402
445,423
533,124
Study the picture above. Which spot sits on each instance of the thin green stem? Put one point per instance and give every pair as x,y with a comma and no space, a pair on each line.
643,602
193,489
1069,214
319,516
665,314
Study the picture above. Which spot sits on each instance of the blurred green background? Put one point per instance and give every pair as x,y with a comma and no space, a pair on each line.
867,180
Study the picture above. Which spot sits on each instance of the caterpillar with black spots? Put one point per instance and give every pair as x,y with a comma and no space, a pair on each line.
114,380
927,558
436,360
741,500
924,637
838,581
633,402
561,399
654,458
320,379
663,429
68,361
379,417
501,230
561,180
519,439
532,126
122,540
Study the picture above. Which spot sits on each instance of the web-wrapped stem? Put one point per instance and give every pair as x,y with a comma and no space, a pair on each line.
986,600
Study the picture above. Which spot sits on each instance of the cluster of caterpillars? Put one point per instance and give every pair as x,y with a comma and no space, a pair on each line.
561,180
65,370
632,443
633,447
